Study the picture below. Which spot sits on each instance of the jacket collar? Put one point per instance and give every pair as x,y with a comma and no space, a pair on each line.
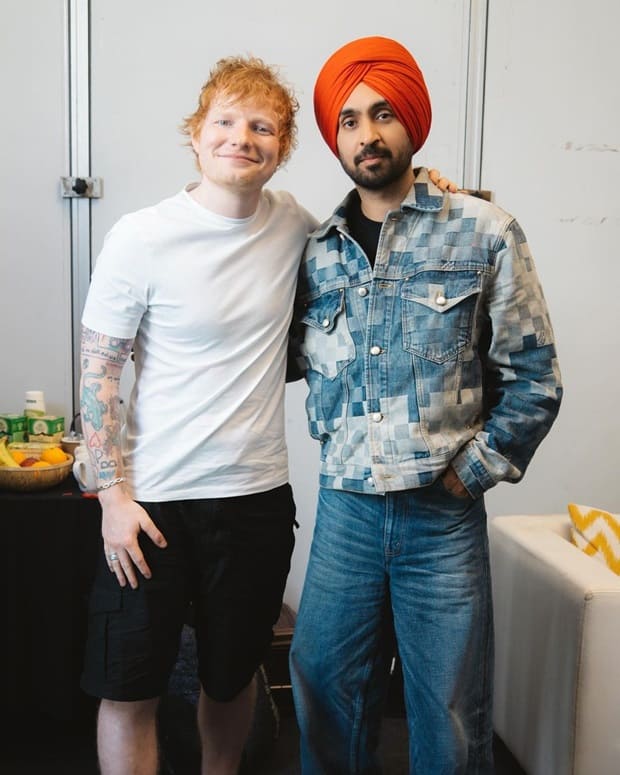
423,196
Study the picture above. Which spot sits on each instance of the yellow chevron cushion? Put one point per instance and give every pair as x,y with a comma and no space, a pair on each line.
597,533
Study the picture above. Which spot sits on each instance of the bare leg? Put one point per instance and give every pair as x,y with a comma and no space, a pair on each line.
224,728
127,737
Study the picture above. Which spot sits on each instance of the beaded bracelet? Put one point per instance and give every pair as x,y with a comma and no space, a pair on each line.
111,483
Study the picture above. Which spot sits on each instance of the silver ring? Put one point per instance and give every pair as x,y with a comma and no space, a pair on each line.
113,557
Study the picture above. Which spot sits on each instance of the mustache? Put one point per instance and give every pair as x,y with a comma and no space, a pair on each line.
371,151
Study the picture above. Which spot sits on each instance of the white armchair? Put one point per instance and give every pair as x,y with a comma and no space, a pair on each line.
557,652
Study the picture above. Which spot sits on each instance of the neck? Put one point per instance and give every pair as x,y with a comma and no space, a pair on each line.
376,203
229,202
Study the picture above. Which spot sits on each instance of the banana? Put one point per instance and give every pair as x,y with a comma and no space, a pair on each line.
6,458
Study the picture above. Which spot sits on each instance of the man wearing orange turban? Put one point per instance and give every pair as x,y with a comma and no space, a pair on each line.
432,373
385,66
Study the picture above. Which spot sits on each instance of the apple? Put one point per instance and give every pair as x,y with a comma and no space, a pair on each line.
28,462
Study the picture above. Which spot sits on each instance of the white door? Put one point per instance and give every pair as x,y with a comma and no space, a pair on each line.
149,61
35,258
551,154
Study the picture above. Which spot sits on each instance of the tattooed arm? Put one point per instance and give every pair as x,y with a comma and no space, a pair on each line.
103,358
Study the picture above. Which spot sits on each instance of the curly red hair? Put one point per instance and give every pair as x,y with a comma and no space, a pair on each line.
248,78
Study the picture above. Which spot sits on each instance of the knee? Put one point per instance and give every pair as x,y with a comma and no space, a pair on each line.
131,712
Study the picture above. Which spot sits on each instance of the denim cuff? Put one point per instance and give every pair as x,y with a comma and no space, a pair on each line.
470,470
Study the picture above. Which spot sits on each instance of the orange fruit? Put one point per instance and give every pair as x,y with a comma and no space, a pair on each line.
17,455
40,464
53,455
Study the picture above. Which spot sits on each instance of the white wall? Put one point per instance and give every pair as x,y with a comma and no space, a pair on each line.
551,156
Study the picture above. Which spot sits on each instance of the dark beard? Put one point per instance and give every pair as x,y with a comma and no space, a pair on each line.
377,176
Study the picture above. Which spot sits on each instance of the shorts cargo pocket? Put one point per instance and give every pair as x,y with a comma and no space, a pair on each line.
105,601
327,345
104,607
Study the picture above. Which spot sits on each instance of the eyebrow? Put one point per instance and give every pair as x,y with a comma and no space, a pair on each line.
380,105
229,111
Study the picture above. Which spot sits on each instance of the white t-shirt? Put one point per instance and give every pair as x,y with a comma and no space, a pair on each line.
209,301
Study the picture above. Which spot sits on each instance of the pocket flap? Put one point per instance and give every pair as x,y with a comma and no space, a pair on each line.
441,291
323,312
104,601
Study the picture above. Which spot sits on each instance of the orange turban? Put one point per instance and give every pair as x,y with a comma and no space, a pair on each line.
383,65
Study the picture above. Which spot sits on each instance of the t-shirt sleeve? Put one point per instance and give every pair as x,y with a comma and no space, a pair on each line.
312,222
118,293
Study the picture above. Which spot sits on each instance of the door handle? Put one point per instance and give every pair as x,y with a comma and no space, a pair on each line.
82,188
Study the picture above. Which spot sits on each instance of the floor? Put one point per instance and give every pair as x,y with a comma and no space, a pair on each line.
57,749
38,746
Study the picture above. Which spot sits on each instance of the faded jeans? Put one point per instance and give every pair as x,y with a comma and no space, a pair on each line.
414,564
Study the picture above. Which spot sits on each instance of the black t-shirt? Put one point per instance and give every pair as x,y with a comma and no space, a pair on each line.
364,231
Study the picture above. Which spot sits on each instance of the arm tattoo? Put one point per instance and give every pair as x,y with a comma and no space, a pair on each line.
105,347
103,358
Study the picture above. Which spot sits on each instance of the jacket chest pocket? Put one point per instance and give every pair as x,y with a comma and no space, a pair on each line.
327,345
437,313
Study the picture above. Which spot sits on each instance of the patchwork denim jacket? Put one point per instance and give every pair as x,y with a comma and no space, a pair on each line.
443,354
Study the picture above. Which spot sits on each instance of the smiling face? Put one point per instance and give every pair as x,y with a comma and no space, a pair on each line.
238,145
373,146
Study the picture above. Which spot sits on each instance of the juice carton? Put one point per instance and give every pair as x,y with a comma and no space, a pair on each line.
46,428
13,426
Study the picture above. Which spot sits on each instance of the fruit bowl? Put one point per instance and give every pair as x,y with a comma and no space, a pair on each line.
31,479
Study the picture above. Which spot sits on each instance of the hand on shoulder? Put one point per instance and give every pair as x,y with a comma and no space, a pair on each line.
444,184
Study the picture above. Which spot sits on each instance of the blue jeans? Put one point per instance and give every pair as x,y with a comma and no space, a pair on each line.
414,564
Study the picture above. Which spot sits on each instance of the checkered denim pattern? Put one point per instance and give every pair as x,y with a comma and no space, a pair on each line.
444,353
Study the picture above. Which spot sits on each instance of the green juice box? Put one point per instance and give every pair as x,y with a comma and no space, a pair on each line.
13,426
46,428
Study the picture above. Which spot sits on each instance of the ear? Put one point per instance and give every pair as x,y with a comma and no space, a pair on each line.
195,136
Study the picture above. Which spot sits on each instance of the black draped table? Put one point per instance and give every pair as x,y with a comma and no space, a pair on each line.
49,544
